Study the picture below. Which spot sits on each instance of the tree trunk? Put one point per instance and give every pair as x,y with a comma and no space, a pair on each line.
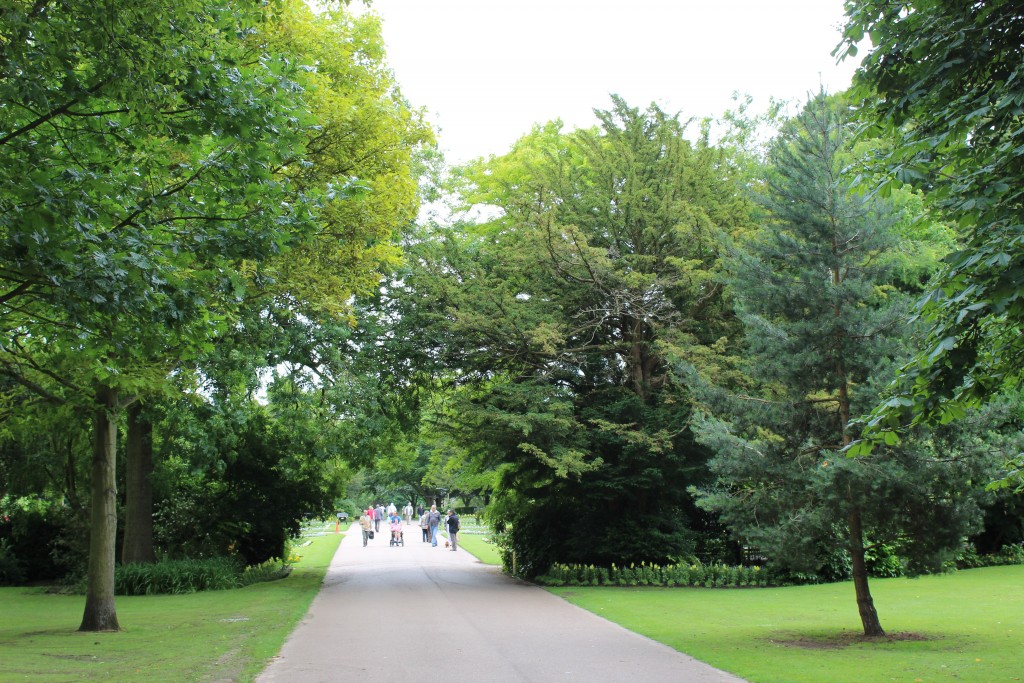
865,604
100,612
138,515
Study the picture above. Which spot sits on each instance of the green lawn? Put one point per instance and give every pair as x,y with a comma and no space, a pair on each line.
964,627
479,545
215,635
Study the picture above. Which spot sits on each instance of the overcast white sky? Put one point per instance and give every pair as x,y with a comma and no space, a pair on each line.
487,70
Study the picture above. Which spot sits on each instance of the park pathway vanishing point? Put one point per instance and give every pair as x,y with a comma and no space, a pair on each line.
416,613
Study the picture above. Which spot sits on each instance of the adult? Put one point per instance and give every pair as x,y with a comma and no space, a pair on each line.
366,525
433,521
392,510
378,515
425,526
453,529
407,512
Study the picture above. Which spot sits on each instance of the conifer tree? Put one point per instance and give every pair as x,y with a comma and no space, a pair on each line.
814,289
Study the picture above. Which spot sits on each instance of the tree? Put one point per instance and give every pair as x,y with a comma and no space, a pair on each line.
557,320
152,133
358,159
815,291
945,78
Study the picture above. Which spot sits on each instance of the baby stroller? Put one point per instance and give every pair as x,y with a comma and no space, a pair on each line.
397,538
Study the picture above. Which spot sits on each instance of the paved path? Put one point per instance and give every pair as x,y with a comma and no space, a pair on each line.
418,613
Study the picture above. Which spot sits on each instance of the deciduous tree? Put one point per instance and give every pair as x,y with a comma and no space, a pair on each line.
947,80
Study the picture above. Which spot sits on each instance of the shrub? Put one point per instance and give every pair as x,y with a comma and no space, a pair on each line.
969,558
710,576
11,570
44,541
190,576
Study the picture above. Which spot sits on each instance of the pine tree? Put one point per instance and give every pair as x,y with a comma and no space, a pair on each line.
814,290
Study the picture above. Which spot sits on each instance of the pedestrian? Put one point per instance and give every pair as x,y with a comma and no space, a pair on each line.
391,509
407,512
434,521
366,525
453,529
425,526
378,515
420,510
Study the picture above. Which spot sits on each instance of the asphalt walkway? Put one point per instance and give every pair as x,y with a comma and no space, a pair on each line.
415,612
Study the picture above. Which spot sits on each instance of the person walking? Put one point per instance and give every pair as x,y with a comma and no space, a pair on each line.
407,513
378,515
453,529
366,525
433,521
425,526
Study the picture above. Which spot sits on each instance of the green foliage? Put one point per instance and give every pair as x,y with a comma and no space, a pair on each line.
12,569
268,475
644,574
42,541
556,318
822,312
178,576
945,79
969,558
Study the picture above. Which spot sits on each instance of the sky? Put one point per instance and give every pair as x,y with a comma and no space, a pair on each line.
488,70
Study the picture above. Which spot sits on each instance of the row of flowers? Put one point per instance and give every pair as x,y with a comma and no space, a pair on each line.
707,576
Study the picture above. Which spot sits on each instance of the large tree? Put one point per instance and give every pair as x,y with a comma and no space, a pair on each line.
559,316
138,149
359,159
946,79
815,289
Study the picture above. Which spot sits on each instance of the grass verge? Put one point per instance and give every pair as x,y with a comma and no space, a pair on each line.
479,546
966,627
211,636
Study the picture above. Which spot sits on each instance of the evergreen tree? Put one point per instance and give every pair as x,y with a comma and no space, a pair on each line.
563,313
822,318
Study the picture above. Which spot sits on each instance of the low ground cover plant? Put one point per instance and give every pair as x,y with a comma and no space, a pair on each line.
176,577
707,576
725,576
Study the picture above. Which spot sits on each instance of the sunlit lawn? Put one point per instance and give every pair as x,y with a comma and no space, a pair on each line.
477,542
215,635
966,626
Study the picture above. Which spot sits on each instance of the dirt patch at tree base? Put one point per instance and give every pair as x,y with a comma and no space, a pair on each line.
841,640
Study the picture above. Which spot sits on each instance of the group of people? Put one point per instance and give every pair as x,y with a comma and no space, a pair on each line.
430,522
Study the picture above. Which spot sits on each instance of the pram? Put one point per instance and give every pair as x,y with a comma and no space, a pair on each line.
397,538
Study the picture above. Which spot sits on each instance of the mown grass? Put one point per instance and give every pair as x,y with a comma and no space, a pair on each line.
223,635
966,627
479,545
